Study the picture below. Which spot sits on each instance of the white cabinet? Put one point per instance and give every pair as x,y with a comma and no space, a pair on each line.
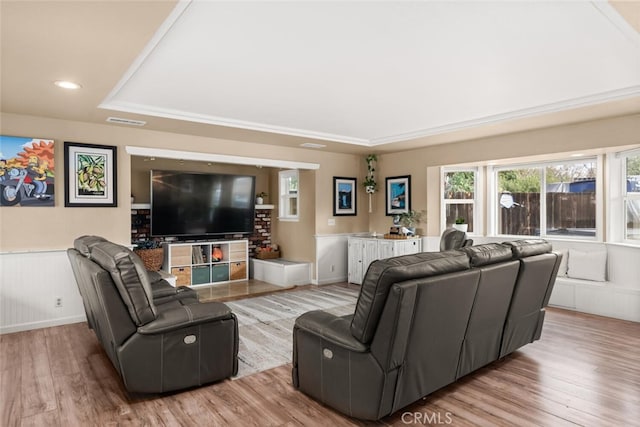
204,263
364,250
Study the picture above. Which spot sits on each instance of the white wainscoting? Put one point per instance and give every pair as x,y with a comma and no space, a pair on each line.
29,285
331,257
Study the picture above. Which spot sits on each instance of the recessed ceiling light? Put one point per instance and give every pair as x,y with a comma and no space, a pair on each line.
66,84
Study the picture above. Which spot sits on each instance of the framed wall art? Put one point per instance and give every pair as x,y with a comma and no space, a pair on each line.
398,194
26,171
90,175
344,196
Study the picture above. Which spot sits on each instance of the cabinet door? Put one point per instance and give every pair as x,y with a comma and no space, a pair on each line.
354,263
369,254
412,247
386,249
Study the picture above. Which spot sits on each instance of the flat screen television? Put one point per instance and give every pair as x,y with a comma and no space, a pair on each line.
191,205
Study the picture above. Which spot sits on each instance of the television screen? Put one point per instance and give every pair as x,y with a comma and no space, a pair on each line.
199,204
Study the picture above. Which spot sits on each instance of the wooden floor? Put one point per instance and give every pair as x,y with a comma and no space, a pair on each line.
584,371
237,290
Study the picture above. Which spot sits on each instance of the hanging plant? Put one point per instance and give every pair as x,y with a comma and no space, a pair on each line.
370,183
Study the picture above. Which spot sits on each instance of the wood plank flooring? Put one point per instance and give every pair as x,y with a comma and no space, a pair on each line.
584,371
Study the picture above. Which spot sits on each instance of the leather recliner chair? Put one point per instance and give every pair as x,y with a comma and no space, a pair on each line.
454,239
421,322
157,343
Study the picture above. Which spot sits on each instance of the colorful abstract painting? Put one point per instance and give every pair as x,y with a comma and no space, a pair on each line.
26,171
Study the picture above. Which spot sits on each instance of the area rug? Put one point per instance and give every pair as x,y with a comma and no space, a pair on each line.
266,323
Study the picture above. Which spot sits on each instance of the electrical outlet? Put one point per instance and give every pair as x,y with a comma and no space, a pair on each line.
58,302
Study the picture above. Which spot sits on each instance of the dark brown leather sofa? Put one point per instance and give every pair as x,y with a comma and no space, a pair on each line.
158,338
421,322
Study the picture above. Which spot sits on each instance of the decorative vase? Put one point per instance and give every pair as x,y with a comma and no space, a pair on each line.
461,227
259,201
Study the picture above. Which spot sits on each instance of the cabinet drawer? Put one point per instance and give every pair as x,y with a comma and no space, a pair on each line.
183,275
180,255
220,273
200,275
238,270
237,247
238,256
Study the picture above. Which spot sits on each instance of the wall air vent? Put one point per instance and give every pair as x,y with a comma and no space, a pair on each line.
129,122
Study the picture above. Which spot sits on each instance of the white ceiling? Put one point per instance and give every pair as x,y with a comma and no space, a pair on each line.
372,73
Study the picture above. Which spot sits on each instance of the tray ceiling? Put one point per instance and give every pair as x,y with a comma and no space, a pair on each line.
372,73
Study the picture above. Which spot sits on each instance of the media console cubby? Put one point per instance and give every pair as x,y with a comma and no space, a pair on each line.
207,263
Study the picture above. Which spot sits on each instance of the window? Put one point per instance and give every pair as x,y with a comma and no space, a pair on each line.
631,198
551,200
459,197
288,195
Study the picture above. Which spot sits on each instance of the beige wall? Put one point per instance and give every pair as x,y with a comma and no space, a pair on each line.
613,132
25,228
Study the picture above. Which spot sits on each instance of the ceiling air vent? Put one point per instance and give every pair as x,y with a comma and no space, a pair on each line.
129,122
312,145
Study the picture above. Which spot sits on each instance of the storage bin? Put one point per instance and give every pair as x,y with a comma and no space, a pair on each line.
183,275
200,275
238,270
220,273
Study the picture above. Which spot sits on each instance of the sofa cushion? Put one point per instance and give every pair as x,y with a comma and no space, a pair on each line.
529,247
489,253
128,273
587,265
382,274
83,244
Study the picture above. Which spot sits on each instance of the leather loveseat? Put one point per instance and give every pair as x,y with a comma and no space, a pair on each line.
158,338
421,322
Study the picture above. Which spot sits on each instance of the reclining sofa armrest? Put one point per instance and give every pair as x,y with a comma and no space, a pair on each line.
186,315
334,329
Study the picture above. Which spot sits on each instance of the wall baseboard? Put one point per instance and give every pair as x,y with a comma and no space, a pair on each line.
42,324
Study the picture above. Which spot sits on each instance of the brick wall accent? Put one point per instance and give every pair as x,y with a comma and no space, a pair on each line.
261,237
140,224
262,231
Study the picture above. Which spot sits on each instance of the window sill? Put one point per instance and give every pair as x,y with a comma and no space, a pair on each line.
288,219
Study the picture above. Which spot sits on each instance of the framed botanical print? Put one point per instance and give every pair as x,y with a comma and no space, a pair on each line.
90,175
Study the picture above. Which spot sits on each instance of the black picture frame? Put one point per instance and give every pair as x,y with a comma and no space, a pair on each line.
397,195
345,196
90,175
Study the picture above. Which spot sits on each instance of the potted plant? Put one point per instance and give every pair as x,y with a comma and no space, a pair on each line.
410,219
260,197
370,183
461,224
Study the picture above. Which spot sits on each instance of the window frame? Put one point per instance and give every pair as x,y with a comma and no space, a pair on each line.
285,198
492,196
476,201
625,196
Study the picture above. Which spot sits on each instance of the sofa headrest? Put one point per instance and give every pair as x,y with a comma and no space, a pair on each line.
128,273
489,253
83,244
382,274
452,239
529,247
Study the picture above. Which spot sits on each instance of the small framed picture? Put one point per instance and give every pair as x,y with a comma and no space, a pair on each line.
90,175
344,196
398,194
